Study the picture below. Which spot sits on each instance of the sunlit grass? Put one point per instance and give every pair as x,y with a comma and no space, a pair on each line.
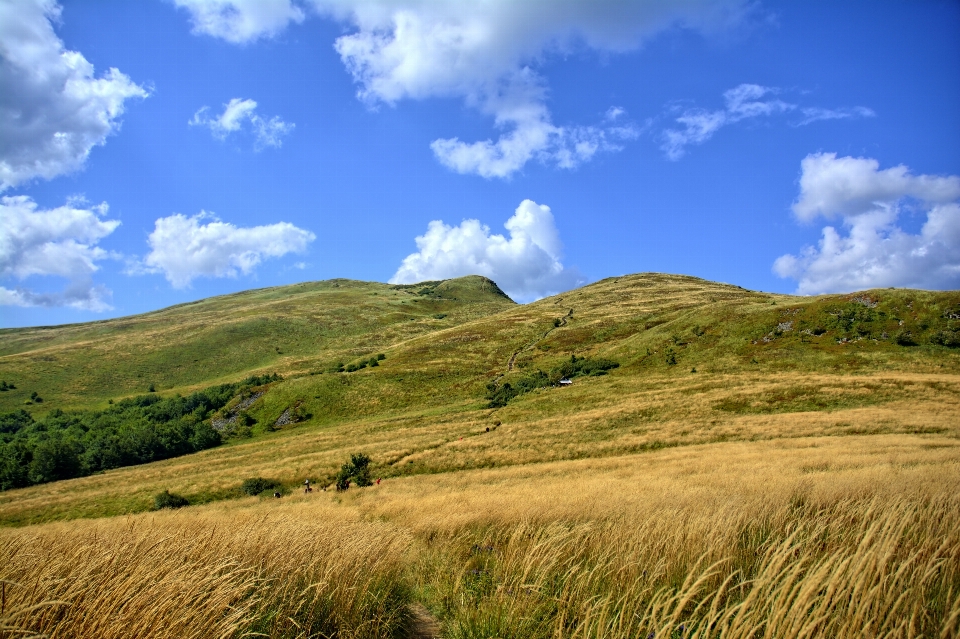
813,536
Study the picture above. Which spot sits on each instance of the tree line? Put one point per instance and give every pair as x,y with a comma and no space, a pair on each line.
137,430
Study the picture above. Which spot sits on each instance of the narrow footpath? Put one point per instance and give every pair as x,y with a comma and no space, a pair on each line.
424,625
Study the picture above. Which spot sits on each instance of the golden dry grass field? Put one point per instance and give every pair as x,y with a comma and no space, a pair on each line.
757,466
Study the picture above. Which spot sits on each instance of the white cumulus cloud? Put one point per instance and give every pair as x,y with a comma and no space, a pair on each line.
526,266
486,54
61,243
875,251
53,109
241,21
239,114
743,102
183,248
832,186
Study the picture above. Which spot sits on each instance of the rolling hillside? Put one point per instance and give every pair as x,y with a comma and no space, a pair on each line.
723,458
698,362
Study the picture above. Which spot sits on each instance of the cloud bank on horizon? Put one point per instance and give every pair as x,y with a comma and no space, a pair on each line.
526,266
875,252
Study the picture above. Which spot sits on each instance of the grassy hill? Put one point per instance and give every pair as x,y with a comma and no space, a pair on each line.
735,424
293,328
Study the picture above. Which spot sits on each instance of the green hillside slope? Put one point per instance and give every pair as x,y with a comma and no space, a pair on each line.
697,362
184,347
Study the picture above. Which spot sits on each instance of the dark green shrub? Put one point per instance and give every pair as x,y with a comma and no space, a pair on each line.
257,485
343,477
439,316
500,394
152,389
14,422
351,368
670,357
904,338
380,357
373,362
166,499
946,338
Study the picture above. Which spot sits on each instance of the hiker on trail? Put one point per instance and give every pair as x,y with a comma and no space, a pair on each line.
378,481
277,494
306,487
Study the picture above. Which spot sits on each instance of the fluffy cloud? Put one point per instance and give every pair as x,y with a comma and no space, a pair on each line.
59,242
831,186
875,252
241,20
53,110
743,102
182,248
527,266
239,114
485,53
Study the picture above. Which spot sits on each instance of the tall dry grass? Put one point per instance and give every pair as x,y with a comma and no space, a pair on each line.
861,568
213,574
822,537
826,537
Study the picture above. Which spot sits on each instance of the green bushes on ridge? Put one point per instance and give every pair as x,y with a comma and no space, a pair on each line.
500,394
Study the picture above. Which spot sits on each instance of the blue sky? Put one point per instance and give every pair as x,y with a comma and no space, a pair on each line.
157,152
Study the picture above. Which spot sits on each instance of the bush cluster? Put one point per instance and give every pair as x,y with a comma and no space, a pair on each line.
166,499
257,485
946,338
500,394
355,366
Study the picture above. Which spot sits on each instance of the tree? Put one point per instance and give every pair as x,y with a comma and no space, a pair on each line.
361,469
54,459
357,470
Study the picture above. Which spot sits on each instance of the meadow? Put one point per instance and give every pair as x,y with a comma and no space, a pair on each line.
756,466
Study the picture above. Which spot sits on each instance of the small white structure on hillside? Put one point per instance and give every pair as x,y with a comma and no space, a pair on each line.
566,382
